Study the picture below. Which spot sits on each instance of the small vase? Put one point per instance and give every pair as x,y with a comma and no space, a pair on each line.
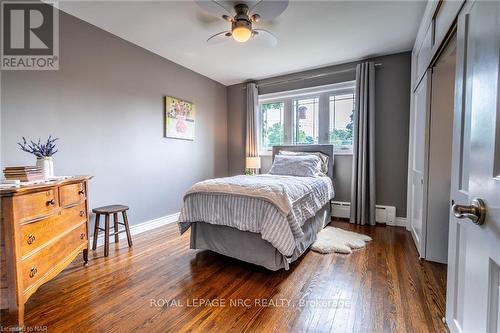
47,166
181,124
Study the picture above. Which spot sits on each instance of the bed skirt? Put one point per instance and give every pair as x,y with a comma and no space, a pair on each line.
250,247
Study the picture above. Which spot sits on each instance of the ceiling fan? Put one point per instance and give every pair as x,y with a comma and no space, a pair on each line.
242,15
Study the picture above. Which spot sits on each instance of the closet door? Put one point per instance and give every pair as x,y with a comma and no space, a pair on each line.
418,161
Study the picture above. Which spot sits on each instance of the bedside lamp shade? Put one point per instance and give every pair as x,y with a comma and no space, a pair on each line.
253,163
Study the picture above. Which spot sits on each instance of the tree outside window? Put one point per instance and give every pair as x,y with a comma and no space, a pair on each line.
341,120
306,120
272,124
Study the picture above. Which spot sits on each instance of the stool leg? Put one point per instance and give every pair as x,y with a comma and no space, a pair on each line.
127,228
96,231
106,233
115,226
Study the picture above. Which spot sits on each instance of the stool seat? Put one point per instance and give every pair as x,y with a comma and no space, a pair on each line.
110,209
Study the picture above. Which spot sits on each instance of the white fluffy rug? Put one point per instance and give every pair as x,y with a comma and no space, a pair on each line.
332,239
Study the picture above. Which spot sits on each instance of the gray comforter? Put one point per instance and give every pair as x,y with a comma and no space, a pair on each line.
274,206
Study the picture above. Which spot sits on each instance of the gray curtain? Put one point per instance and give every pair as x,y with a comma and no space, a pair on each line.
363,158
252,120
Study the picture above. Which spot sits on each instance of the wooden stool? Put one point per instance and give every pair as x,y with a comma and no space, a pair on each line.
106,211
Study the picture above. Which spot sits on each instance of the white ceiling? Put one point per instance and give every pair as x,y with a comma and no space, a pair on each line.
311,34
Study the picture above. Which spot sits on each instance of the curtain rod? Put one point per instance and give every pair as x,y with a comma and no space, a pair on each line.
307,77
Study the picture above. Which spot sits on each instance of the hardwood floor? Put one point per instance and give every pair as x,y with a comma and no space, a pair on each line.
156,286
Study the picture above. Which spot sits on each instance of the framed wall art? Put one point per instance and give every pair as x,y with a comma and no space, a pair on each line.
180,119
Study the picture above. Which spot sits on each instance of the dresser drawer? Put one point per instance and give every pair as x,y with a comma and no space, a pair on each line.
33,235
71,194
36,266
35,205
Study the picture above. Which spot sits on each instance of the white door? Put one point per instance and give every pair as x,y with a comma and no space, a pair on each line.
418,161
474,250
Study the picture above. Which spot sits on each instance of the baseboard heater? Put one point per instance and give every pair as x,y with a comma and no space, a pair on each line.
383,214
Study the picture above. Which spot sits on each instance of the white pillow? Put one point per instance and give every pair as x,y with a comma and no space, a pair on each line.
324,158
296,165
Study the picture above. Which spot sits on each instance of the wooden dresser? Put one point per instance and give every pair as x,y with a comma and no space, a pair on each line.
43,228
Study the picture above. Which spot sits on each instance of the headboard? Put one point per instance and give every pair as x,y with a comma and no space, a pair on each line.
325,149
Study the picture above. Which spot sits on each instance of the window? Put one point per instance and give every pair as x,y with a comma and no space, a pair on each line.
308,116
272,124
306,120
341,109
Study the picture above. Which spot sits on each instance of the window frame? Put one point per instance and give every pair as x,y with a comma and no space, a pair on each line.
259,125
323,93
342,149
295,123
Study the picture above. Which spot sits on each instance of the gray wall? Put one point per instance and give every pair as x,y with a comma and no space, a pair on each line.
392,126
106,106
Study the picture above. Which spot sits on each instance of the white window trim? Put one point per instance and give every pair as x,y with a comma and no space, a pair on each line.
286,134
318,90
324,93
342,151
264,153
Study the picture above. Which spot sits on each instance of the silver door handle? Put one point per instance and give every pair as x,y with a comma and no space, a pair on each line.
476,212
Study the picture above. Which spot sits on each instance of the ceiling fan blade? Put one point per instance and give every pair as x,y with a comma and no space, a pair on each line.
264,36
220,37
269,9
216,7
207,20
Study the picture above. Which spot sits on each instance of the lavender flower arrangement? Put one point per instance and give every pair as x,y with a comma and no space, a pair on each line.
39,149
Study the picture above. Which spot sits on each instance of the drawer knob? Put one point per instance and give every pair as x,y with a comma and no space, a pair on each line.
31,239
82,235
82,213
51,202
33,272
81,192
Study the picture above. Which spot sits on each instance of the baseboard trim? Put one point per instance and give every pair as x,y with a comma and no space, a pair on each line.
138,228
400,222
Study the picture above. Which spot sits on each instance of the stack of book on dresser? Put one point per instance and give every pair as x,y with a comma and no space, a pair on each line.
23,173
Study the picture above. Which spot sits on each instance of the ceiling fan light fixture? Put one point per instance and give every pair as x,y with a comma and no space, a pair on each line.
242,19
242,34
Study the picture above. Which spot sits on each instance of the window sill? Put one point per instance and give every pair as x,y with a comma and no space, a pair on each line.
342,152
335,152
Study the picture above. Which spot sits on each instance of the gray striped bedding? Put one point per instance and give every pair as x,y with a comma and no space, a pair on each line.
244,203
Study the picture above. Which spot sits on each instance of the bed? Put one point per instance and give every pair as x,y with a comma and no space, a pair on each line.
255,226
